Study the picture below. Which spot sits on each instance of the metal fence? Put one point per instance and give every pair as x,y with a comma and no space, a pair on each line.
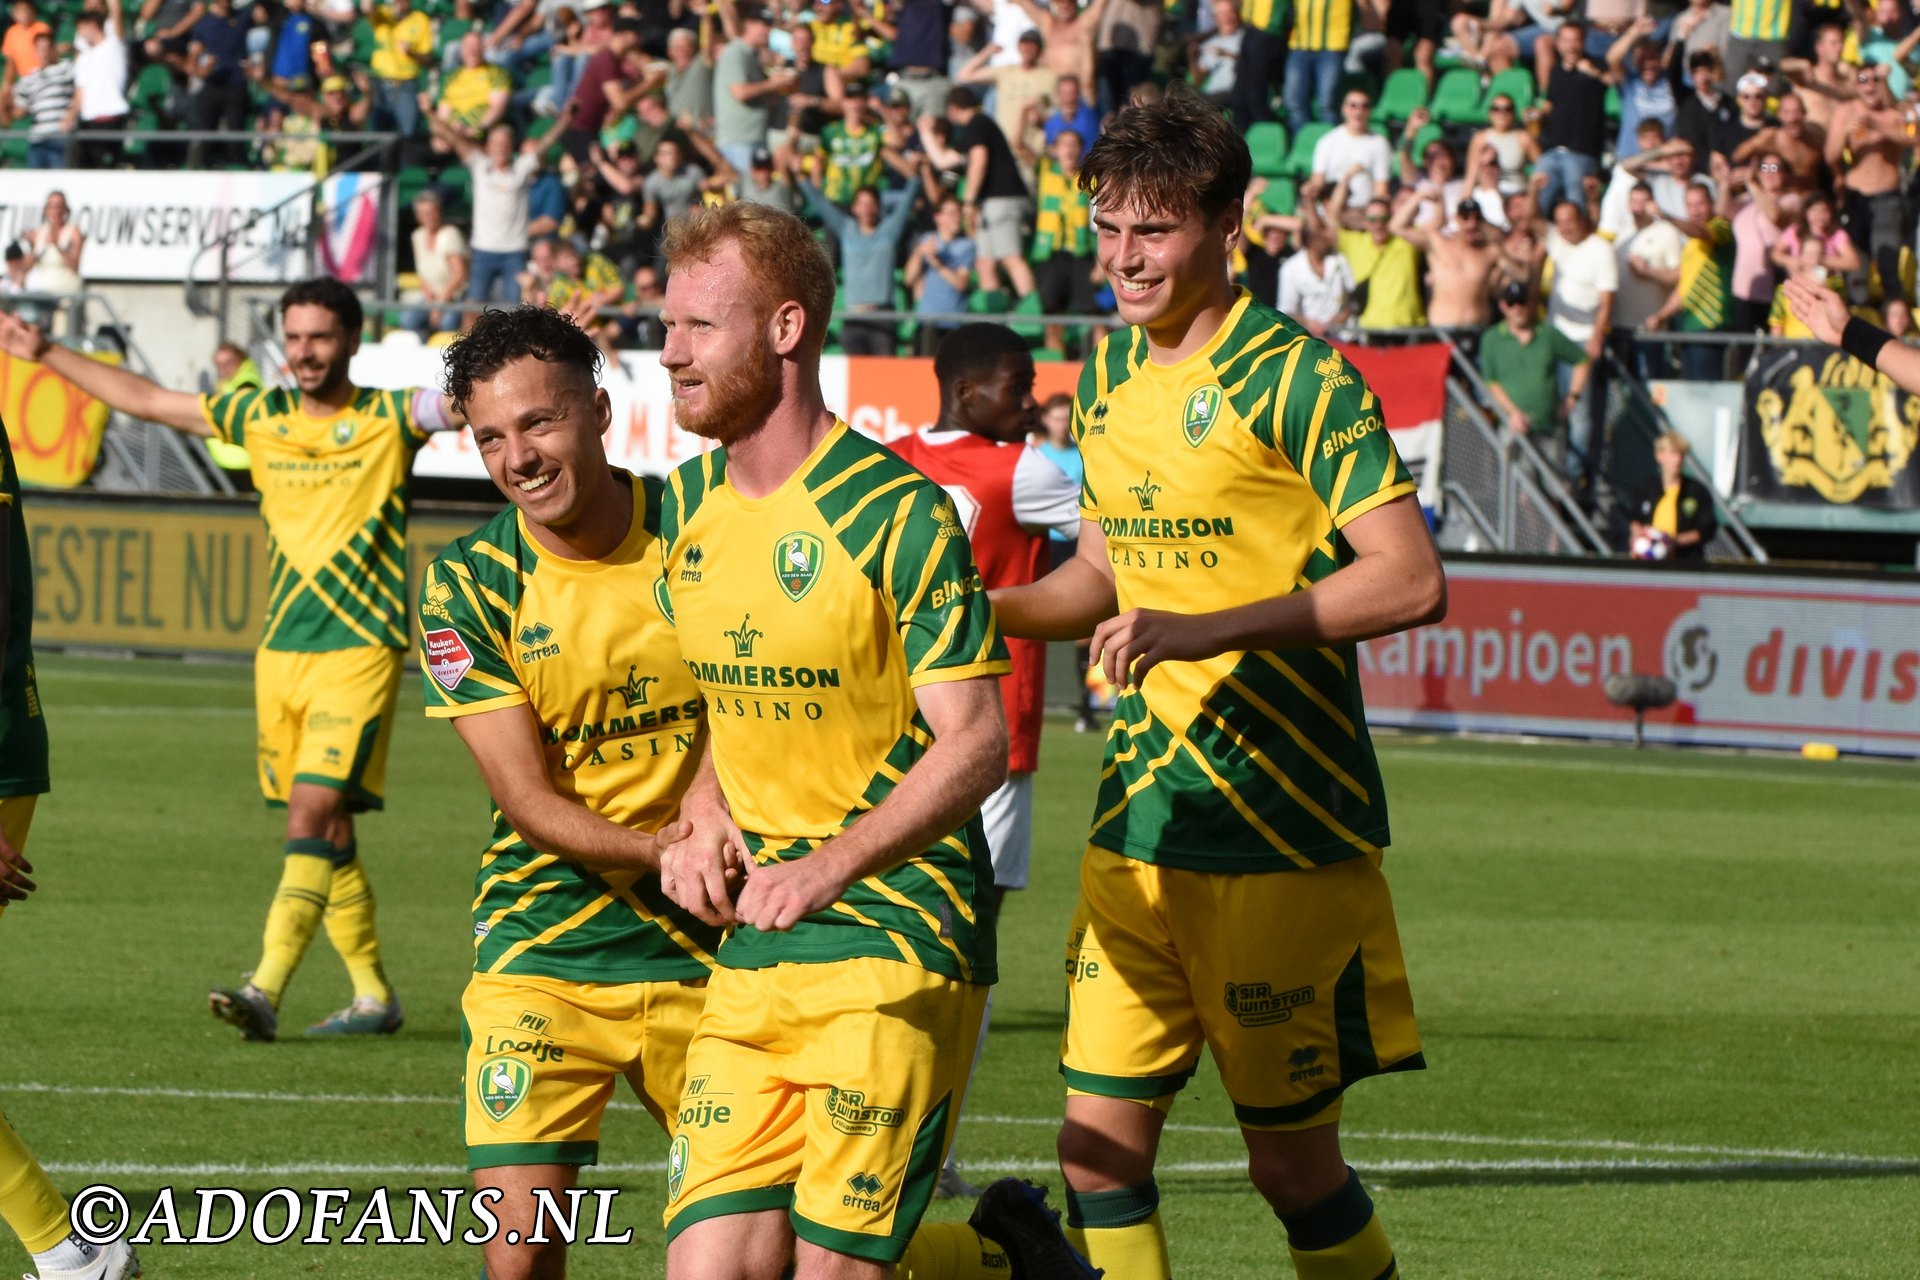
135,456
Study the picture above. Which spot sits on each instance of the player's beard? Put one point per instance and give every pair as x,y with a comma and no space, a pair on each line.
735,399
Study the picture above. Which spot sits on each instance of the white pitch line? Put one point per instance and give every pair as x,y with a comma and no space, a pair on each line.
1675,770
108,1169
147,676
126,708
1443,1138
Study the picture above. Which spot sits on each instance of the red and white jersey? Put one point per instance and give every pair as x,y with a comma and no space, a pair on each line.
1008,496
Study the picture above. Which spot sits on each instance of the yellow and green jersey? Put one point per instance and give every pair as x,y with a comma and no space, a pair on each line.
468,90
1219,481
585,647
1322,26
333,492
853,161
809,617
1760,19
23,731
1063,215
1706,279
1270,16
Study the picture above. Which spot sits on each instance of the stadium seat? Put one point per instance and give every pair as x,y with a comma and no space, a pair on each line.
1516,83
410,182
1613,105
1268,142
150,89
1281,196
1457,99
1405,92
443,338
1029,306
1299,161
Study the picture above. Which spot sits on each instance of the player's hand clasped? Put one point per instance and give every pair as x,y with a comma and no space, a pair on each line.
702,867
1129,645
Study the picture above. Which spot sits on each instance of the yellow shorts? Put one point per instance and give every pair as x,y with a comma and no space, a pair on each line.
16,816
1293,980
827,1090
325,718
542,1056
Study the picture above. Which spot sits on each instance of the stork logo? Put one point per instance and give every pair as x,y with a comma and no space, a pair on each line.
448,658
1691,659
796,563
502,1086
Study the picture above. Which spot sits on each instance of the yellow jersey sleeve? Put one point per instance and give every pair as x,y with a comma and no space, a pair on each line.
464,667
230,414
939,603
1325,421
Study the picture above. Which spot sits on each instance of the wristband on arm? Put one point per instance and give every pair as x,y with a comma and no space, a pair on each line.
1863,341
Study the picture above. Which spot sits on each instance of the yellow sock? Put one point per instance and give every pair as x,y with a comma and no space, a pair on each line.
298,904
951,1251
28,1202
1121,1232
350,926
1340,1238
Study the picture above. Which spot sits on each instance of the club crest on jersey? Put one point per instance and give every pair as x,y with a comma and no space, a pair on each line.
661,599
677,1156
448,658
1203,406
502,1086
343,433
634,691
796,563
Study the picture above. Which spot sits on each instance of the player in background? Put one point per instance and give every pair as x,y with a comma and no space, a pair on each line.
1008,498
331,462
29,1203
1245,510
827,603
543,640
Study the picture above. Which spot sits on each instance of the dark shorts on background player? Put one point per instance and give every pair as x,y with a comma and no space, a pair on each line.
1293,979
543,1056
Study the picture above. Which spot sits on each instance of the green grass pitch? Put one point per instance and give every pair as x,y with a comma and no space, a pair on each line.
1671,1004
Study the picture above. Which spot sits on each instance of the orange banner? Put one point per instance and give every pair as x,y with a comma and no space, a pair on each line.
891,397
53,426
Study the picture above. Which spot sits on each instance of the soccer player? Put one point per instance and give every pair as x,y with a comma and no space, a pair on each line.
1008,497
545,642
330,461
1245,509
828,606
36,1212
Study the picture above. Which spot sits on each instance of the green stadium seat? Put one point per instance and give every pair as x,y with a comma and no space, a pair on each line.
151,88
1405,93
1281,196
1029,306
1268,142
1299,161
1516,83
410,182
1457,100
1613,105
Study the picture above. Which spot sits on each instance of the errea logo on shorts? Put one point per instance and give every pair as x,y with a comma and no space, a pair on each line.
1257,1004
848,1110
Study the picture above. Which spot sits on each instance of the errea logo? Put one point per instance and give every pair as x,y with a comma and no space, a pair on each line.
1333,372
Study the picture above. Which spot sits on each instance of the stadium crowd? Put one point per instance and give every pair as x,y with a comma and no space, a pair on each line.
1623,176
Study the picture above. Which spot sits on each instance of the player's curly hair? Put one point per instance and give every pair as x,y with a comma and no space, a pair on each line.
1172,156
783,260
498,338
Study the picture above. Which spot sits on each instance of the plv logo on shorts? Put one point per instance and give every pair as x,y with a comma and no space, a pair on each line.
502,1085
448,658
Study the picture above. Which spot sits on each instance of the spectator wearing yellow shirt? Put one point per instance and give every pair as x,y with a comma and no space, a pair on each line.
841,40
402,47
474,98
1386,267
1065,270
